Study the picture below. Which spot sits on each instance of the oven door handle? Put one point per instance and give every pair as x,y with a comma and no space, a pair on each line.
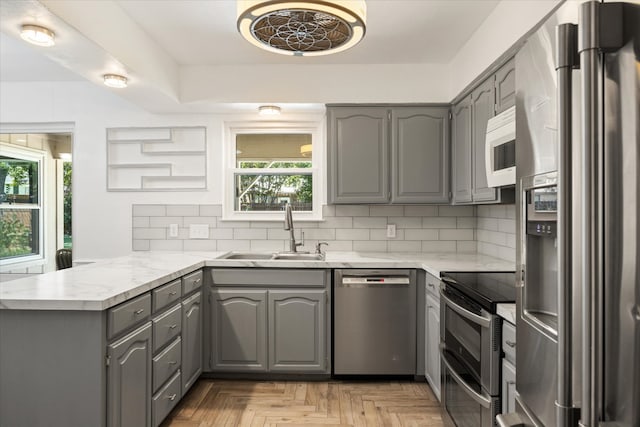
482,399
483,321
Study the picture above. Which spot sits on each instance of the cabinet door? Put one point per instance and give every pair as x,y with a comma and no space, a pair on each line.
420,155
508,387
482,109
461,140
191,340
358,155
129,379
432,341
297,333
238,330
505,85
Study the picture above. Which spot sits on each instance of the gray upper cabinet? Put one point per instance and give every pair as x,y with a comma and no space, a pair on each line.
191,340
420,155
505,86
482,109
461,151
388,154
358,155
129,379
238,330
297,331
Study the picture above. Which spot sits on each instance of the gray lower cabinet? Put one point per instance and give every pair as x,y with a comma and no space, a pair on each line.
388,154
129,379
238,329
191,340
297,330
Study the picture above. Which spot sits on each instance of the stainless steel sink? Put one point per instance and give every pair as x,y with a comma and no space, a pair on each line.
272,256
301,257
247,255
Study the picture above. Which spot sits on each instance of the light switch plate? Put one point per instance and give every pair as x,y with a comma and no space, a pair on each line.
391,230
199,231
173,230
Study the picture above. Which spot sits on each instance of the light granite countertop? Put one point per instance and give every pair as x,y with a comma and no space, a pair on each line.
109,282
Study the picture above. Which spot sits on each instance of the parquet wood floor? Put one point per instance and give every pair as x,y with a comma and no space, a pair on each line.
288,403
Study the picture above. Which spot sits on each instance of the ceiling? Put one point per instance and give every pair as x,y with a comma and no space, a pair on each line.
157,43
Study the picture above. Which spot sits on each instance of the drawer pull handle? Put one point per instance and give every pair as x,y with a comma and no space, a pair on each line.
173,293
173,326
196,281
510,343
172,397
140,311
431,285
172,362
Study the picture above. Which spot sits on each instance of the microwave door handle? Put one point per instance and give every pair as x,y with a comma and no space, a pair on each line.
482,399
567,60
484,321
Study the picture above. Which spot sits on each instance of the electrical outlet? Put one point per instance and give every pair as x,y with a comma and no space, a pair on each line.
173,230
199,231
391,230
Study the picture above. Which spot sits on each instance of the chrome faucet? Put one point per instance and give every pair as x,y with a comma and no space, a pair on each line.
288,225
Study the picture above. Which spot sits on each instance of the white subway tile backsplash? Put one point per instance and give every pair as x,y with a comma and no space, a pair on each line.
421,234
487,229
439,222
368,222
386,210
149,210
250,233
420,211
352,234
210,210
456,234
352,210
183,210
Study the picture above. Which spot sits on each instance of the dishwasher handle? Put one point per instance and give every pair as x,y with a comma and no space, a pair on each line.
376,280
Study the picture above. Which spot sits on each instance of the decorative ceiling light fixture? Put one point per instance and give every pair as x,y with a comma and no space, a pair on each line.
35,34
302,28
269,110
115,80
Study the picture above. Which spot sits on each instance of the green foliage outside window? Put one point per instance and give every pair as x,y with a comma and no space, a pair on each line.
15,236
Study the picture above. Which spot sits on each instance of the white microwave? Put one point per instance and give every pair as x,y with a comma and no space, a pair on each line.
500,149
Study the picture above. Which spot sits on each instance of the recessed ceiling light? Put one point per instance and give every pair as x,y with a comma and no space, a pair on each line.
35,34
269,110
302,28
115,80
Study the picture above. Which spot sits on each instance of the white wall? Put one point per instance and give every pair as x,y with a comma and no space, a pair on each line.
102,219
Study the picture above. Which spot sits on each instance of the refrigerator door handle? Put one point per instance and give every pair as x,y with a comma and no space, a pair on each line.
566,62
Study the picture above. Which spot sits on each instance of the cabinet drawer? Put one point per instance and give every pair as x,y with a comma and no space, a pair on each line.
257,277
165,400
509,342
166,327
128,314
433,286
191,282
166,294
167,363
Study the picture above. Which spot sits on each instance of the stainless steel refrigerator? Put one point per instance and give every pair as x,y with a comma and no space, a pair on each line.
578,200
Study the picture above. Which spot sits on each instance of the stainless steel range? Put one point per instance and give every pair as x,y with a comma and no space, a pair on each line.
470,344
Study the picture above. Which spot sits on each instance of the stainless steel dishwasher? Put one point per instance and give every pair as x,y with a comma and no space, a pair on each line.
374,322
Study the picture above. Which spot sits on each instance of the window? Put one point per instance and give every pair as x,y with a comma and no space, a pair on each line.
270,167
20,205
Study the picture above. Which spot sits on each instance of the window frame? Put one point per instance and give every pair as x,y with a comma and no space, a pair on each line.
232,129
31,155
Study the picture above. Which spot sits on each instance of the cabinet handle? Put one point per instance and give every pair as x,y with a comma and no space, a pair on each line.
431,285
511,382
173,326
138,311
172,397
429,306
510,343
172,362
196,281
173,293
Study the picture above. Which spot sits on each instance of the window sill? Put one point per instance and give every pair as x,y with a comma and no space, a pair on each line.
7,265
271,217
